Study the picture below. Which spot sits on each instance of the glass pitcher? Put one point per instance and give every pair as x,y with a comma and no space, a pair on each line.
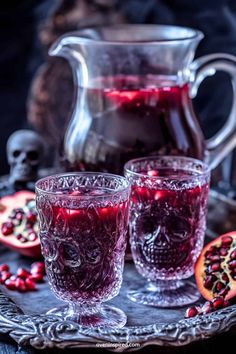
134,90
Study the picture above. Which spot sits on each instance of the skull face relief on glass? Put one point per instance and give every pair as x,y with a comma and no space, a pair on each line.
25,150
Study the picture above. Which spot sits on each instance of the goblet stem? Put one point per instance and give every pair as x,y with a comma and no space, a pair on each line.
166,293
164,285
92,314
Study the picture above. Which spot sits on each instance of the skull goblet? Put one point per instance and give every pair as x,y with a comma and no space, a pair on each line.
83,225
167,225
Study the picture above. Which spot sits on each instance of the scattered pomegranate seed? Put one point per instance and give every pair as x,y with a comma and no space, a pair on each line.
209,306
4,277
37,277
23,280
191,312
10,284
4,268
38,267
20,285
218,303
23,273
30,284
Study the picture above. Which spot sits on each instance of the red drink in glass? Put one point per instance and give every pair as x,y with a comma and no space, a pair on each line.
167,224
83,222
132,116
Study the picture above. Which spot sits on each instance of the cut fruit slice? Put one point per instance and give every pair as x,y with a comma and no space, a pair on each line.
215,270
16,237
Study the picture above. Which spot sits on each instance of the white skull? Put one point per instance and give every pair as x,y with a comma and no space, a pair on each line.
25,150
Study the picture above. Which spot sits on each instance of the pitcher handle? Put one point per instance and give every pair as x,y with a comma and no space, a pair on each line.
224,140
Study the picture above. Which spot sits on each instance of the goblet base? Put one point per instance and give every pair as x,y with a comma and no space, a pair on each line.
101,316
166,294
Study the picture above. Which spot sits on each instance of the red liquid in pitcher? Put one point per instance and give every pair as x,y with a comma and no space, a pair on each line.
84,249
168,226
130,116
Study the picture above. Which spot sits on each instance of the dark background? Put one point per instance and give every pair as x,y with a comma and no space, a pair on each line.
21,53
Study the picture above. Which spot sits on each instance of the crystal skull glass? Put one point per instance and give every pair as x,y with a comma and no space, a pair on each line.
167,226
83,225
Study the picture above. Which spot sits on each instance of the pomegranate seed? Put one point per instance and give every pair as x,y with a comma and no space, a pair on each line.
214,258
4,268
21,238
19,216
31,217
232,264
223,252
20,285
10,284
208,254
207,307
22,273
213,249
191,312
30,284
233,275
39,266
233,254
225,277
226,240
215,267
4,277
37,277
7,228
13,277
224,291
219,286
32,236
218,303
208,283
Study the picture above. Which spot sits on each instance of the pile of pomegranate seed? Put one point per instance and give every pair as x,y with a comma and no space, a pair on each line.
22,223
209,306
23,280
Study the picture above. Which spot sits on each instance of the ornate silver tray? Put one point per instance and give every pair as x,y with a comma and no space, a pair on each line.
22,318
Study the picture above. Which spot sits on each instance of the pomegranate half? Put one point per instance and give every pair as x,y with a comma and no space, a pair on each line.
9,230
215,270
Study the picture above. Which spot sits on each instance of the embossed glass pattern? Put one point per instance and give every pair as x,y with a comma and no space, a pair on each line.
83,225
167,225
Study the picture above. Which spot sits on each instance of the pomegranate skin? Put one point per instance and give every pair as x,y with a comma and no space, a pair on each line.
215,269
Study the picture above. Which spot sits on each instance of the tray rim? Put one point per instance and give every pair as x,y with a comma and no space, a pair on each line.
48,331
